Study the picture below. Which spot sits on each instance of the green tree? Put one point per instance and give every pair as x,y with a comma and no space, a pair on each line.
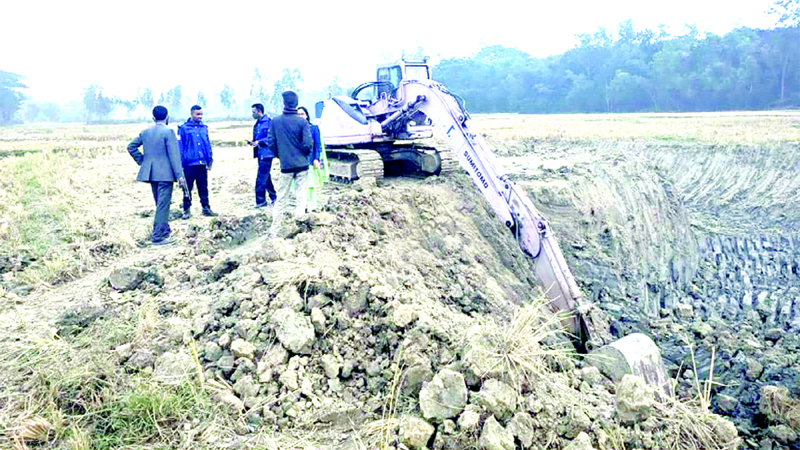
258,89
129,105
11,96
174,99
788,12
290,80
146,101
201,99
629,70
335,89
226,97
30,111
51,111
97,105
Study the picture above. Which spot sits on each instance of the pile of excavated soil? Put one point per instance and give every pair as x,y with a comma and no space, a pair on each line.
392,318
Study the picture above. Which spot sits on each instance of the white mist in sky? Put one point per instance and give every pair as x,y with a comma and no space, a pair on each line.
62,47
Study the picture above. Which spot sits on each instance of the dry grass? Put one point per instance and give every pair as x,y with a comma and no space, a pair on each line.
779,407
381,433
512,132
69,202
34,431
75,395
616,438
520,351
697,427
286,440
292,273
302,273
148,320
52,213
78,439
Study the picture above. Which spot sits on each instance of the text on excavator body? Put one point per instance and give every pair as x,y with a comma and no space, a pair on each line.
477,170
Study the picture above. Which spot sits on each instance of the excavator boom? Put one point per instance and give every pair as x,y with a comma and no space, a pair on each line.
362,136
506,198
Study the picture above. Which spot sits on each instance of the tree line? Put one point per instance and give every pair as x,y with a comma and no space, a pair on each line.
624,70
632,70
95,105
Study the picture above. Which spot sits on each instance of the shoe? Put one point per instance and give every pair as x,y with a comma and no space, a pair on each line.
209,213
186,214
262,205
163,242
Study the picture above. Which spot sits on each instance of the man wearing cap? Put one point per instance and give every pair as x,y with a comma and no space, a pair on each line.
160,166
289,137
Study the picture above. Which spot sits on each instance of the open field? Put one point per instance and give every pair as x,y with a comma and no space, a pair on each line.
683,226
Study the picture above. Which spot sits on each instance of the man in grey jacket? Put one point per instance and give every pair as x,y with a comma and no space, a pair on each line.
289,137
160,166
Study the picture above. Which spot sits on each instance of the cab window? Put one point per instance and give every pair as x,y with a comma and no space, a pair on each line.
391,74
395,75
417,73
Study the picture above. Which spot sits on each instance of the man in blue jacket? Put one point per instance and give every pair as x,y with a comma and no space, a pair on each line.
197,160
265,155
289,137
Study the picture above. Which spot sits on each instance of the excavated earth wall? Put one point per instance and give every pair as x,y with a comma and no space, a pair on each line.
695,246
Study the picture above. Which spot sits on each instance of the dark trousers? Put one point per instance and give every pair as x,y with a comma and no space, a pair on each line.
264,182
162,194
198,173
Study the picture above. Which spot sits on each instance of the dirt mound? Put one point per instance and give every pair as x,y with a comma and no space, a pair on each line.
401,316
385,311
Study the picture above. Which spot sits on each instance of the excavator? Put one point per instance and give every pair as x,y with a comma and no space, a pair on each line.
377,130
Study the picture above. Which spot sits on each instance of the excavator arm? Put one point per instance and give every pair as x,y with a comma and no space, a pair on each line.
508,200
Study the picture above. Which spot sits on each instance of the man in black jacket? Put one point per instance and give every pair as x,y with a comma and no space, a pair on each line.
289,137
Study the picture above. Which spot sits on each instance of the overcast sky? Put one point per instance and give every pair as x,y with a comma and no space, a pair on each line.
63,46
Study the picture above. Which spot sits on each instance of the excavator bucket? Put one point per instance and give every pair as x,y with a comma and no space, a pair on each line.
635,354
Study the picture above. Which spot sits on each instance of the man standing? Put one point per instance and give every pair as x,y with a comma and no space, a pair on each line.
289,137
264,154
197,160
160,166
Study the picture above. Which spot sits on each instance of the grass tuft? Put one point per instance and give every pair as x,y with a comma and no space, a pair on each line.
520,351
779,407
78,439
35,430
698,427
54,220
381,433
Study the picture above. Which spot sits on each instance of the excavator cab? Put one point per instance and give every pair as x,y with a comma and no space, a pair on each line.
389,75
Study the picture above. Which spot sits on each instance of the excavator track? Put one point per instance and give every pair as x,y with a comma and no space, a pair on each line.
348,165
448,161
